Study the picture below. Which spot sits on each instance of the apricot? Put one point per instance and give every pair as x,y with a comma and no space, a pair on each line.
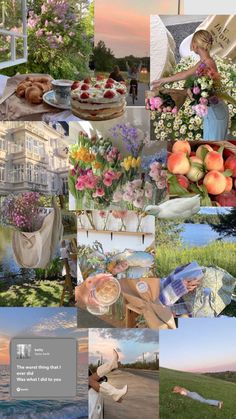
214,161
201,148
183,146
230,164
178,163
215,182
182,181
229,184
196,172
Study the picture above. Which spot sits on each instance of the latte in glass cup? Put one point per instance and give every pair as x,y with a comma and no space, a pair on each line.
108,292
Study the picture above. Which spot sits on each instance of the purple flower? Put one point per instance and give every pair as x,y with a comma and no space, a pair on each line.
213,100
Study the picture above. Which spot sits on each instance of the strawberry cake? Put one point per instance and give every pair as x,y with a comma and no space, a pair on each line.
98,99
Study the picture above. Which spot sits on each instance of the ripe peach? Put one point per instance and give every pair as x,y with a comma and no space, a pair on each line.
215,182
178,163
182,145
229,184
196,171
201,148
182,181
214,161
230,164
226,199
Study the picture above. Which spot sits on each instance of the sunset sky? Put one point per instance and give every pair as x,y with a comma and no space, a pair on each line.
39,322
124,25
200,345
129,343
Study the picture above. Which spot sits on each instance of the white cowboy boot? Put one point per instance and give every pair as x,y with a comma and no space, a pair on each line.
108,366
115,393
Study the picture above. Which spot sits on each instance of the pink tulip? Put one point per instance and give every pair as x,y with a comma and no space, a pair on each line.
80,184
99,192
107,181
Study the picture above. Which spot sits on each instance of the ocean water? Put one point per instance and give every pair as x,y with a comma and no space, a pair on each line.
43,409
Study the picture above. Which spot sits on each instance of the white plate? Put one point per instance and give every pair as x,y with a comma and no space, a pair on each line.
49,98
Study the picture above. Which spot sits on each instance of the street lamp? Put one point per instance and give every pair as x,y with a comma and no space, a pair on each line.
179,6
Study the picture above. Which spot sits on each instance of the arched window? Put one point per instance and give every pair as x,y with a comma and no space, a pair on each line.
13,32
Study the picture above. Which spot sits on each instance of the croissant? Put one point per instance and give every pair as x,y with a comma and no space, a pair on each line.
20,90
34,94
38,79
44,86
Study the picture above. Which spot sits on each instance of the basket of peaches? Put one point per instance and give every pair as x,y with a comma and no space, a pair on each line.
206,169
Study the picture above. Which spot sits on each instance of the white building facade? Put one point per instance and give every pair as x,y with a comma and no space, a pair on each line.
33,157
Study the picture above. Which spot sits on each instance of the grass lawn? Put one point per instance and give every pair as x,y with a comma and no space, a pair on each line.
32,294
179,407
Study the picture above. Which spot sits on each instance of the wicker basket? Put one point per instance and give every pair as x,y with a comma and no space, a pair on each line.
178,95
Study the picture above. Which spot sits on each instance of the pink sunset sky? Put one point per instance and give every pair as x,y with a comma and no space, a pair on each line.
124,25
200,345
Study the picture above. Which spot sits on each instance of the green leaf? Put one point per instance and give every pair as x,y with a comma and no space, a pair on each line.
195,188
198,165
204,152
220,150
175,188
228,173
206,201
71,185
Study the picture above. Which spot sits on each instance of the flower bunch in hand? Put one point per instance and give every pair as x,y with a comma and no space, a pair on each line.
188,122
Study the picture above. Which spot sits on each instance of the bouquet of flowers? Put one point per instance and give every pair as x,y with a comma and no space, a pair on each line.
188,122
95,171
133,138
161,103
139,193
22,211
205,88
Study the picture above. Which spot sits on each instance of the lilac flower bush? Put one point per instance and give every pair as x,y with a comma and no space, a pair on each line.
58,43
22,211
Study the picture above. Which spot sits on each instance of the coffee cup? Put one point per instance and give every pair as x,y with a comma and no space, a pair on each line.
62,89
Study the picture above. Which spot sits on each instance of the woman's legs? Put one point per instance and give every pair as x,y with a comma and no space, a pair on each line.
195,396
104,387
108,366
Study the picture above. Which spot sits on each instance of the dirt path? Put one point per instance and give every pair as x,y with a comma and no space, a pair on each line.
142,399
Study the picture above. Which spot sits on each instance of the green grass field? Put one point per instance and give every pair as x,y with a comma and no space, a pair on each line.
180,407
217,253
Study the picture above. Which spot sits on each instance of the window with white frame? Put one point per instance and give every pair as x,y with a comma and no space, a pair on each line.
65,185
2,144
18,173
29,172
13,32
2,172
